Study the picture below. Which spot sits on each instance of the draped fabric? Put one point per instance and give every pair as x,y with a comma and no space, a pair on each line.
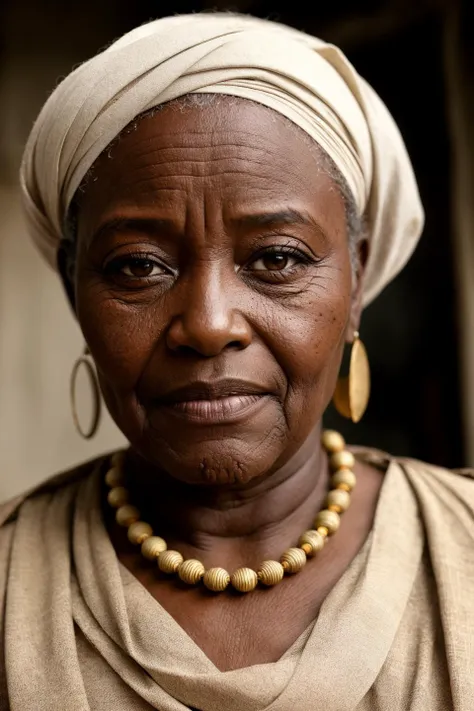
303,78
79,632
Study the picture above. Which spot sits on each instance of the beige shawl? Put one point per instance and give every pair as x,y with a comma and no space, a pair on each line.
396,633
301,77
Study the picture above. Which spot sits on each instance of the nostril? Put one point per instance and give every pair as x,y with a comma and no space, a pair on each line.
208,333
186,351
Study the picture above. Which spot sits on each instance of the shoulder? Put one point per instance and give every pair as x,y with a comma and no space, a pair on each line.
9,509
434,477
443,497
453,487
444,502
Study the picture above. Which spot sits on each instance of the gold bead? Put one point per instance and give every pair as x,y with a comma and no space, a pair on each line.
312,541
114,477
244,579
338,498
332,441
344,478
117,458
216,579
191,571
126,515
323,531
341,460
169,561
117,497
271,572
139,532
293,560
328,519
152,547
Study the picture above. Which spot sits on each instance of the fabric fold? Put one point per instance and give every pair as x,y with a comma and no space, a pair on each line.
81,633
40,650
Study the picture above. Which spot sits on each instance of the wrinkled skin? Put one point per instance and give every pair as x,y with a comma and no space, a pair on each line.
204,197
212,244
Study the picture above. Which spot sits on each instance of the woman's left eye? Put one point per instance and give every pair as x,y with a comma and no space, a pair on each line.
274,262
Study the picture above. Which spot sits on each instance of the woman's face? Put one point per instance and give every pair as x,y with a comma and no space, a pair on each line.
213,287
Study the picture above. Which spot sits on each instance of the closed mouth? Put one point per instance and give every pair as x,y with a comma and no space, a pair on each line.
213,402
210,391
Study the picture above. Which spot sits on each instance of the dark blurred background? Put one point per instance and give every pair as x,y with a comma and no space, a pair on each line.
417,56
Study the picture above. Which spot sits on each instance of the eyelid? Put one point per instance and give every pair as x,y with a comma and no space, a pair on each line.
291,241
118,262
284,249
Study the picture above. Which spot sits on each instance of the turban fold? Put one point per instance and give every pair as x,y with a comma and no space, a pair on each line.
299,76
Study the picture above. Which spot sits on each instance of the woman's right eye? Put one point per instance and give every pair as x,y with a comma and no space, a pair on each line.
140,268
131,268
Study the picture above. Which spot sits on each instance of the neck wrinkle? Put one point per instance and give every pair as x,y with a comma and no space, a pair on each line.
235,523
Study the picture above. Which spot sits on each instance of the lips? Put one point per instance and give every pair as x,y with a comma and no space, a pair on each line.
210,390
215,402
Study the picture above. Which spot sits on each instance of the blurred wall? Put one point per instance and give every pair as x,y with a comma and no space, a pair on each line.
39,338
459,63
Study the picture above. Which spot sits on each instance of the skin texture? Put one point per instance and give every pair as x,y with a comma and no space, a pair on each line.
212,245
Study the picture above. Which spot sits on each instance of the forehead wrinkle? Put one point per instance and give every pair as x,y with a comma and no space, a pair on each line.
184,187
231,144
151,178
121,207
201,162
209,134
172,153
198,186
273,151
208,159
140,175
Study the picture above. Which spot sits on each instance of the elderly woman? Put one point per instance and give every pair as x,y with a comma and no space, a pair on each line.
221,196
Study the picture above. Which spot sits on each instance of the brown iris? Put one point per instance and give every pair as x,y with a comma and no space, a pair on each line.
275,262
139,268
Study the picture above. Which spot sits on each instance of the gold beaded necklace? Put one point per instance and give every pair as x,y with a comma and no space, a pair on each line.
244,580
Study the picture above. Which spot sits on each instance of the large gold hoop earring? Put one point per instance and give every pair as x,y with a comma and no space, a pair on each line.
352,393
96,411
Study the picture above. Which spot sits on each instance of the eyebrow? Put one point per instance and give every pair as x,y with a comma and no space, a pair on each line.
289,216
129,224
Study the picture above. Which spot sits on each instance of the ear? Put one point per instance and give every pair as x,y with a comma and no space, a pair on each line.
357,291
66,261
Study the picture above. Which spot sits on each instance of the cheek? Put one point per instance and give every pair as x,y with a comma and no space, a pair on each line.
309,340
122,339
303,336
121,336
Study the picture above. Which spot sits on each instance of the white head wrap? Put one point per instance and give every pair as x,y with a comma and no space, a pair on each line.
301,77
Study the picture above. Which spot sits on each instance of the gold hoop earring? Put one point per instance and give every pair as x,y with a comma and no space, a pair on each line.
84,361
352,393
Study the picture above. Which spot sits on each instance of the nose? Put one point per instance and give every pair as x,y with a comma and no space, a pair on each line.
209,322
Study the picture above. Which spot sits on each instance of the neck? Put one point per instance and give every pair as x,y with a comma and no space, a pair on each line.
236,525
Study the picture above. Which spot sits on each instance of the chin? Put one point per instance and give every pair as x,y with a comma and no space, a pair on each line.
226,452
232,452
219,462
